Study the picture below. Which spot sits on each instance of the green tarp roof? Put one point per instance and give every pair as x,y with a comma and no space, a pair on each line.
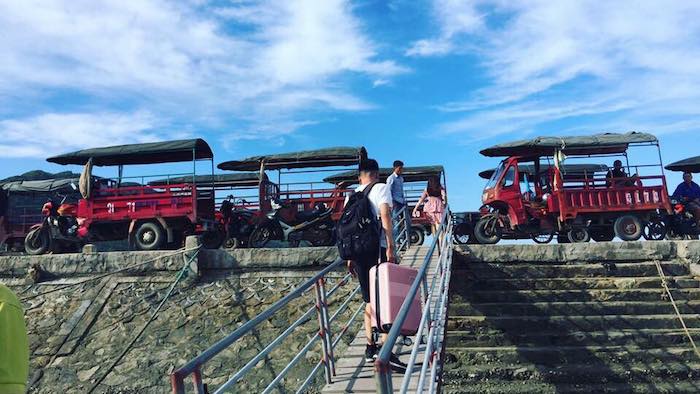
691,164
410,174
592,144
38,175
328,157
147,153
568,169
220,180
43,186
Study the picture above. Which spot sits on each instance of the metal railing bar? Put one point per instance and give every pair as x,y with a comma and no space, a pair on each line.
338,338
250,324
441,325
268,349
382,370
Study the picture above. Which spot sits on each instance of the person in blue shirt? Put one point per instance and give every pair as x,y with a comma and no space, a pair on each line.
689,192
395,183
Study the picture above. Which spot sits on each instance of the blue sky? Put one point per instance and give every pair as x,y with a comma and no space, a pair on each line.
429,82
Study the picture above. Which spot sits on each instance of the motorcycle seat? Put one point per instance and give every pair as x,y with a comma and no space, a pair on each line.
310,215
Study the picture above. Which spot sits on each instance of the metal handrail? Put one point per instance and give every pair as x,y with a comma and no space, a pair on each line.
194,366
434,320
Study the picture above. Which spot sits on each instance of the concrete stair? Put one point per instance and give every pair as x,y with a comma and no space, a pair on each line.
559,327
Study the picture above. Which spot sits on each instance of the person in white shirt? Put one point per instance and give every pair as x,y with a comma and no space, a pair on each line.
380,199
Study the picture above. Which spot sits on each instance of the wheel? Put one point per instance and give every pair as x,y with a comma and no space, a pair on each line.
655,230
542,238
149,236
232,243
628,228
603,235
212,239
417,236
462,234
578,235
487,231
262,235
38,241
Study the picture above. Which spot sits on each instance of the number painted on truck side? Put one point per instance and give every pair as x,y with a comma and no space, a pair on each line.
131,206
110,207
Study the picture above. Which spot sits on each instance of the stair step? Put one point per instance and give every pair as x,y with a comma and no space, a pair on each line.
523,324
459,386
558,357
571,308
499,270
581,283
643,338
479,296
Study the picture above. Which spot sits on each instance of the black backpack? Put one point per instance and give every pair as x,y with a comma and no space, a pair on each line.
358,228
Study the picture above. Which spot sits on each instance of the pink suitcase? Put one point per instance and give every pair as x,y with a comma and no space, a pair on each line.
394,283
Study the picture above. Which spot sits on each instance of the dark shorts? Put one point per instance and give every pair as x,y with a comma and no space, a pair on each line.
362,267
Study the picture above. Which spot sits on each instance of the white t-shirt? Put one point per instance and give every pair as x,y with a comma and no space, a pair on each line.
380,194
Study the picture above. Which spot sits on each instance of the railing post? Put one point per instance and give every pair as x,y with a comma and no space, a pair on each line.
197,381
323,332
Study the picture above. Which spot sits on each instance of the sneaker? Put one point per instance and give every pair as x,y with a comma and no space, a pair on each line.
371,353
395,362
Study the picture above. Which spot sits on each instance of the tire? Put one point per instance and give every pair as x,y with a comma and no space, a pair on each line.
655,230
542,238
578,235
38,241
603,235
486,231
417,236
149,236
262,235
232,243
628,228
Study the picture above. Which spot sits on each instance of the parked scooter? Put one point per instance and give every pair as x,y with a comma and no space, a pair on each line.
238,222
314,228
682,224
59,230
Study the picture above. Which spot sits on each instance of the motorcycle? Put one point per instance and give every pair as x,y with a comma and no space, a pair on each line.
59,230
682,224
238,222
314,227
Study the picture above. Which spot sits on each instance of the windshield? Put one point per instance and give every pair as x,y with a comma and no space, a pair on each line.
494,177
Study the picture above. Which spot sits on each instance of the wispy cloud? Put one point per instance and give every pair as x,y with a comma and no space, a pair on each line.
564,59
185,61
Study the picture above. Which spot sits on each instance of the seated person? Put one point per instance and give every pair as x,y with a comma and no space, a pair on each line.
619,172
689,192
616,172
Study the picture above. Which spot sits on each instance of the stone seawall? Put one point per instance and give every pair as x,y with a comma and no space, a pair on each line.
75,333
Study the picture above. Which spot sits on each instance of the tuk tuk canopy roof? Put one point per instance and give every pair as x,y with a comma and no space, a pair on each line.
410,174
38,175
147,153
568,169
691,164
328,157
592,144
220,180
42,186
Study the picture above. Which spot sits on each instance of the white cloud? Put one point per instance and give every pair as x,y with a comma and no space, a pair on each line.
615,58
54,133
187,61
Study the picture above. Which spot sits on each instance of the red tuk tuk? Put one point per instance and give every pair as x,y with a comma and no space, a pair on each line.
149,216
577,207
415,181
21,201
298,211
